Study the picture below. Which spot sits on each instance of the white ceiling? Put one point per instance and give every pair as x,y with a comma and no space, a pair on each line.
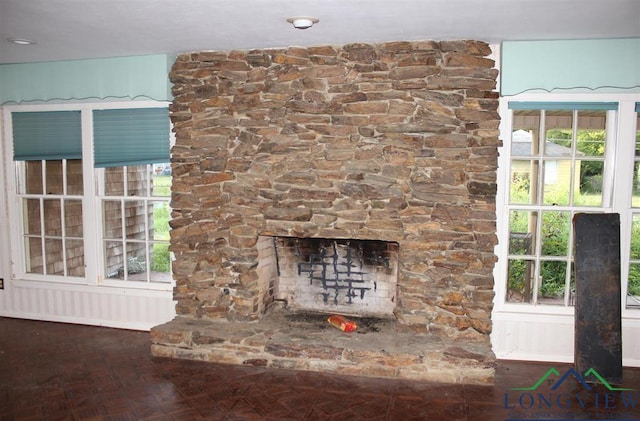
78,29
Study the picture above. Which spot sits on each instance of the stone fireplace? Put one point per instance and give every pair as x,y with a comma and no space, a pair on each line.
357,180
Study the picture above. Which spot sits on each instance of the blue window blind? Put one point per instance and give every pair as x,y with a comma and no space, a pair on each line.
46,135
638,107
534,105
130,136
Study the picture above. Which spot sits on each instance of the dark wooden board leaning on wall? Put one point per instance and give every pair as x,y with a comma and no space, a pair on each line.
598,308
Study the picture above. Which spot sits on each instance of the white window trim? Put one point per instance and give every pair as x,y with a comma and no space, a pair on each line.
92,234
624,129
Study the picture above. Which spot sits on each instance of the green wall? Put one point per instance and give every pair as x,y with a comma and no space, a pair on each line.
602,65
139,77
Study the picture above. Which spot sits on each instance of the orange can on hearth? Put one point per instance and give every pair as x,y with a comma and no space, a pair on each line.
342,323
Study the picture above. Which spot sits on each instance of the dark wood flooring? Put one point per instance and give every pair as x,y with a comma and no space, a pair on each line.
55,371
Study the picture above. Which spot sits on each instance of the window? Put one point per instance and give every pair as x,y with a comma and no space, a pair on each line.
558,163
633,286
128,145
52,209
135,216
94,188
51,188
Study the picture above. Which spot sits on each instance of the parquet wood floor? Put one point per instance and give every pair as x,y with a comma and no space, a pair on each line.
55,371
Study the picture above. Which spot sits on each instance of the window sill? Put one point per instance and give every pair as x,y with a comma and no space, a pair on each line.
527,311
162,290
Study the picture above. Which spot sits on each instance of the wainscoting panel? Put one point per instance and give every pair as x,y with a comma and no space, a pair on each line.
550,338
90,305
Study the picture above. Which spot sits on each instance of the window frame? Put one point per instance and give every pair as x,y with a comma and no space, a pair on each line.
616,189
91,202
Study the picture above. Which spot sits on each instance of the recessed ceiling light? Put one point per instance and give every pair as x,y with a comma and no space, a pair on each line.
21,41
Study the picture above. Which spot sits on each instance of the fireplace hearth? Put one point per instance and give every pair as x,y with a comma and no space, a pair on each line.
356,180
306,341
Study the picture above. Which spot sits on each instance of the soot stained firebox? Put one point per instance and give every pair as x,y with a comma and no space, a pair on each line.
355,277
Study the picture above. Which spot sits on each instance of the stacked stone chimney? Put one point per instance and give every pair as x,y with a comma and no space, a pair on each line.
394,142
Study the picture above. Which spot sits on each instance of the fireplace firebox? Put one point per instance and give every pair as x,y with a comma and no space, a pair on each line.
350,277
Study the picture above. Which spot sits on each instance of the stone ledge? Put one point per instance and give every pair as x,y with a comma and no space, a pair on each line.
307,342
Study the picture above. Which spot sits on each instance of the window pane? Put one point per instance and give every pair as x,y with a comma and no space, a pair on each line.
33,173
114,181
54,177
558,119
635,237
635,200
559,142
522,228
73,218
136,264
552,282
526,120
591,133
160,263
524,143
551,172
572,285
522,174
138,179
34,255
75,257
161,180
32,225
557,182
52,218
633,288
591,177
633,285
54,258
160,221
520,281
135,219
555,233
74,177
114,260
112,217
